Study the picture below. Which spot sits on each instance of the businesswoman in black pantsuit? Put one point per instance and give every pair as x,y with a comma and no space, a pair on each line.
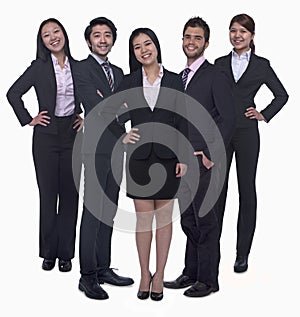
55,128
151,108
247,72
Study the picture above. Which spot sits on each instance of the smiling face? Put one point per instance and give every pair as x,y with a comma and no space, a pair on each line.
144,49
53,37
101,40
240,38
193,43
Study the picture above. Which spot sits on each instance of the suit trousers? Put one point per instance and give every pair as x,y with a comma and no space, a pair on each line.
245,145
202,254
57,184
101,194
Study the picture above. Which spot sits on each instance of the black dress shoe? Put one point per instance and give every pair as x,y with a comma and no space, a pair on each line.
241,264
145,294
181,282
48,265
64,265
110,277
200,289
91,288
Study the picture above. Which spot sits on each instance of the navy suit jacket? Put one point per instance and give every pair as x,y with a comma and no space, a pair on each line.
258,72
40,75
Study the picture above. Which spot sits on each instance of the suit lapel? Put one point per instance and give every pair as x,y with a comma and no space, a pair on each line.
165,83
228,66
117,75
50,80
138,82
249,69
198,74
100,78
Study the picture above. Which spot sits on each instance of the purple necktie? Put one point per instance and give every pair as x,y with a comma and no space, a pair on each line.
185,76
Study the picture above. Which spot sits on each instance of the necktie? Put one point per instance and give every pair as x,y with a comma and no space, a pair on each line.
108,74
185,76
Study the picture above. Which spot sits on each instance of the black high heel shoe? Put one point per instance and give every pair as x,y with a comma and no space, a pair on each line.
145,294
156,296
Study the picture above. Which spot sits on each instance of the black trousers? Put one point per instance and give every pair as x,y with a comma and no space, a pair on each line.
245,145
58,193
101,194
202,254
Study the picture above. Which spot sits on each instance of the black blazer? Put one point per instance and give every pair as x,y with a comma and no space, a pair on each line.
258,72
40,75
169,105
210,88
92,89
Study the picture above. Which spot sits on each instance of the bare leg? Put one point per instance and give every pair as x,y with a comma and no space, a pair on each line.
144,214
163,216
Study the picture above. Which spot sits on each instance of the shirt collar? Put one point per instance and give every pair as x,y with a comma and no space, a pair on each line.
245,55
55,61
196,64
99,60
160,74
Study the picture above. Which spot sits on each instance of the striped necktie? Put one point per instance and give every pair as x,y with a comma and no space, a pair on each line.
185,76
108,75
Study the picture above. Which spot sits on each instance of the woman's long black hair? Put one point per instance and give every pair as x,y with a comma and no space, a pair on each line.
134,64
42,51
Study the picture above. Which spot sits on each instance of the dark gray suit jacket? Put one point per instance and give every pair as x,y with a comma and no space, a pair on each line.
258,72
169,111
93,89
40,75
211,89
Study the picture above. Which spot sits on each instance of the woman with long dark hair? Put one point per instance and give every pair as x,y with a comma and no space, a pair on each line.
55,128
154,99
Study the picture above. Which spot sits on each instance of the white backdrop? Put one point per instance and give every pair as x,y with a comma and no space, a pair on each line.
271,283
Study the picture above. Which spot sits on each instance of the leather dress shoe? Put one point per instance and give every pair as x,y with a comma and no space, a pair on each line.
110,277
241,264
145,294
181,282
64,265
48,265
200,289
91,288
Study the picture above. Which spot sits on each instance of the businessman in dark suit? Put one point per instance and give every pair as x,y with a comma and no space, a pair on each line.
96,80
210,87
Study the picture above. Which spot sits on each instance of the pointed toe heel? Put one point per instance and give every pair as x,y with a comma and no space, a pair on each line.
156,296
145,294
